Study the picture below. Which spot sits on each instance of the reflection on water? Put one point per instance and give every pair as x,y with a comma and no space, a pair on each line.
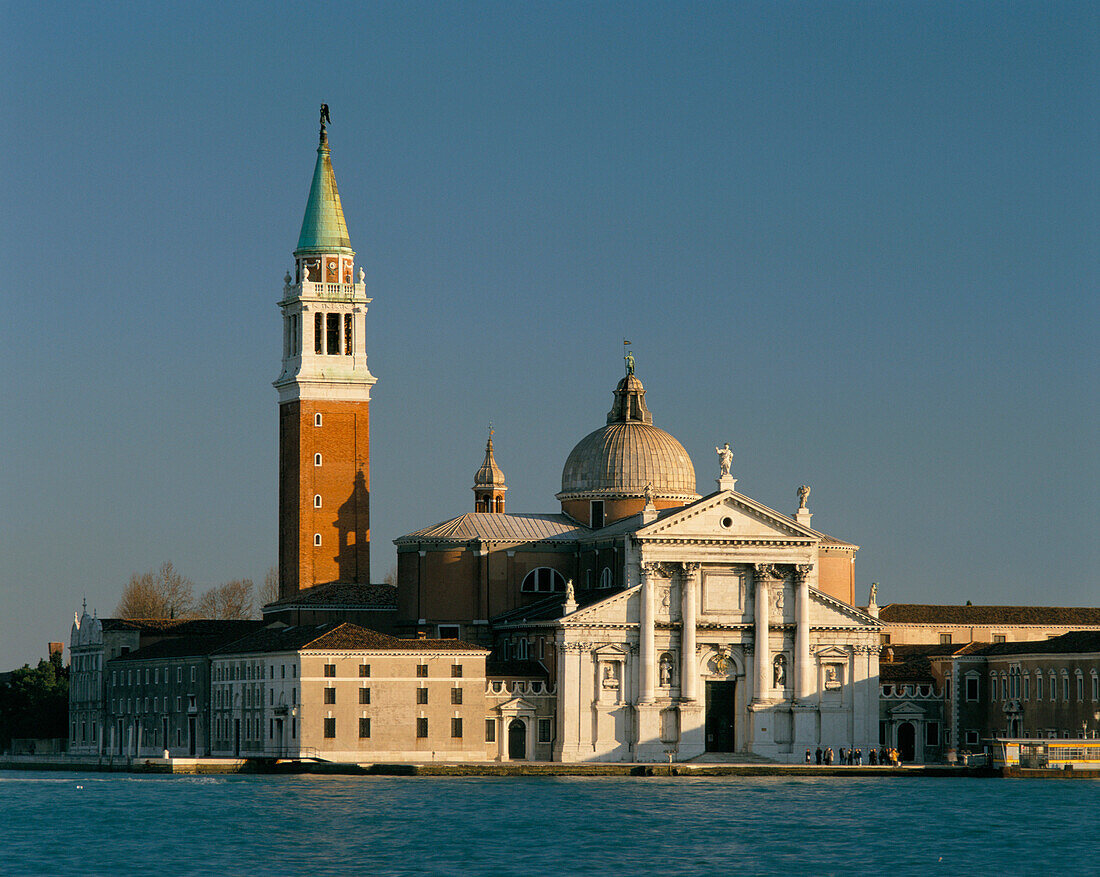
116,824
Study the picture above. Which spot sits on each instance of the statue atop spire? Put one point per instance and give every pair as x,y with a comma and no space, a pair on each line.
325,120
629,357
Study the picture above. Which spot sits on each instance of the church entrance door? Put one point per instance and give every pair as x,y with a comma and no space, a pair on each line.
907,740
719,716
517,740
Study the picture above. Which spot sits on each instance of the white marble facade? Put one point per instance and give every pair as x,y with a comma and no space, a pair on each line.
722,607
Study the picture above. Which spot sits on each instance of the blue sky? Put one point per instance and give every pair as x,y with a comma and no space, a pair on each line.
857,241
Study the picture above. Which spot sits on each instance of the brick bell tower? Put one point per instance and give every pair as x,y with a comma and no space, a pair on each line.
324,400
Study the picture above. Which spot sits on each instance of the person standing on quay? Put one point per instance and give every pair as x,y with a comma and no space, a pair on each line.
808,756
842,761
818,754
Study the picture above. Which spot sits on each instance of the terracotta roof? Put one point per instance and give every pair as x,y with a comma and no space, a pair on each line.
335,636
499,528
929,613
191,645
553,606
1076,641
343,595
174,626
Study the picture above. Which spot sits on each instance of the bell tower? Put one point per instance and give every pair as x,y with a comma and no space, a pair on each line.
324,400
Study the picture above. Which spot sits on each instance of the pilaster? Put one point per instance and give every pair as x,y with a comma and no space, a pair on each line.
689,670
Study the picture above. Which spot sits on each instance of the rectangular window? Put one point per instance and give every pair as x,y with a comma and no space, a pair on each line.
330,670
364,728
1027,687
490,730
347,335
884,639
971,738
330,695
456,695
456,727
545,730
179,674
998,637
448,631
597,514
318,333
421,727
971,688
932,734
456,671
192,674
421,695
945,639
330,728
364,671
333,334
422,670
364,695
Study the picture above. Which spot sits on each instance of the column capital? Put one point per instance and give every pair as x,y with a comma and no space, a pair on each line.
766,571
802,571
690,568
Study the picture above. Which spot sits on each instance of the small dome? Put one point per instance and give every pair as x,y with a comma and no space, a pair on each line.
490,474
621,458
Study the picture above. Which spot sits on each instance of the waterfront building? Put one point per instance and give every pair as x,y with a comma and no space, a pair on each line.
668,622
344,693
157,697
93,643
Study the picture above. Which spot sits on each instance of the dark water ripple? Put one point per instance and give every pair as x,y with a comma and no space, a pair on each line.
109,824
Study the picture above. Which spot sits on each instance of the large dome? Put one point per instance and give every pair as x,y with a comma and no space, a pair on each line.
621,458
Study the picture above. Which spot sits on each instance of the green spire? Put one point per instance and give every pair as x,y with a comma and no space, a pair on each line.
323,226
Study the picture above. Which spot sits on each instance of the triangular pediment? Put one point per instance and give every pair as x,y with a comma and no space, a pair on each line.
906,708
616,609
516,705
728,515
827,611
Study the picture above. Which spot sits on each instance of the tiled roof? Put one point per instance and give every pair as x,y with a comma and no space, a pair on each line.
1076,641
190,645
499,528
173,626
334,636
342,595
928,613
553,606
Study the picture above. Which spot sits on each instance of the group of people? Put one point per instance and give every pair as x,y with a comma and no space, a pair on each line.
883,756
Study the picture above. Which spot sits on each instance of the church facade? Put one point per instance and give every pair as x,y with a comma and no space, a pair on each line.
668,624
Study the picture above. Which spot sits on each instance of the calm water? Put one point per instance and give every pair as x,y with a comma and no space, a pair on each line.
54,823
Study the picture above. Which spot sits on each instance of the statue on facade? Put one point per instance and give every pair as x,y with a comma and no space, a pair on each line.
325,120
803,495
725,459
570,594
665,671
610,679
779,671
874,594
648,493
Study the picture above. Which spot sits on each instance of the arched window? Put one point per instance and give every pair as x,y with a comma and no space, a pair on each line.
1080,686
1095,686
1065,686
1038,685
543,579
317,539
521,649
1004,687
317,419
1027,687
316,459
992,686
607,578
317,501
1053,686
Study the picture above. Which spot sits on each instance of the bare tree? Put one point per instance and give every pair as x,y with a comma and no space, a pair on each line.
162,593
233,600
269,590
